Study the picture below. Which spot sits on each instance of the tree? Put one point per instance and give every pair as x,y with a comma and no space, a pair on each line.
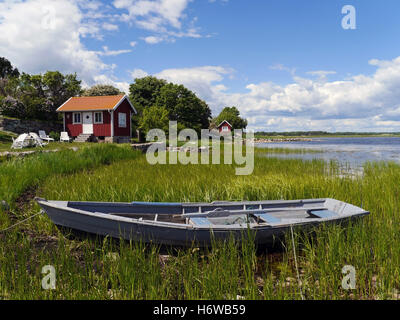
232,115
184,106
154,118
38,96
144,92
58,88
7,70
102,90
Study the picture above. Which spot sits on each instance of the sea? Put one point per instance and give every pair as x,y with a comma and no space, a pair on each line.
351,152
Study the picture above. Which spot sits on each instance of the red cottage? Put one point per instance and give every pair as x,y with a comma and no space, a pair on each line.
224,127
106,118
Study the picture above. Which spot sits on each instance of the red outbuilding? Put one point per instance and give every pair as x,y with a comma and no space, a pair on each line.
224,127
97,118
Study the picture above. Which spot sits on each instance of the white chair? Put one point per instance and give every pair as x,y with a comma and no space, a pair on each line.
27,140
44,136
37,141
64,137
22,141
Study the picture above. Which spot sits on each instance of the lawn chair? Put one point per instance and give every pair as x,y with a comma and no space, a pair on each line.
22,141
64,137
36,140
44,136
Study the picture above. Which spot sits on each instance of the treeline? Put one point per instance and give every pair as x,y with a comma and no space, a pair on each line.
157,101
26,96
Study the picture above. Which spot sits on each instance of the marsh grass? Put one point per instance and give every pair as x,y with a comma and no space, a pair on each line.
106,269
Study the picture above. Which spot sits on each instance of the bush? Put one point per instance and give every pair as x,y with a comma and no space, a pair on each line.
55,135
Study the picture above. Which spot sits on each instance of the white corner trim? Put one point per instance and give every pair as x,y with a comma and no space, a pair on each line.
112,122
122,99
63,105
223,122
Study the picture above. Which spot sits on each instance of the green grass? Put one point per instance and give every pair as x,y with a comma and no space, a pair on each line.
90,269
18,175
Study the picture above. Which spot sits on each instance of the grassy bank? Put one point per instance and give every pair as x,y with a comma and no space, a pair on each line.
18,175
105,270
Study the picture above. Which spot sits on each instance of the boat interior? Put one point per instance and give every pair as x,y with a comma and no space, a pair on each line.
219,213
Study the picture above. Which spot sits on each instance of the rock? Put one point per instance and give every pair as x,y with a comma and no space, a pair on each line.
142,146
22,126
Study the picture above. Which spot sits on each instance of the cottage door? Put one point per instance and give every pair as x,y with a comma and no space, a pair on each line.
87,122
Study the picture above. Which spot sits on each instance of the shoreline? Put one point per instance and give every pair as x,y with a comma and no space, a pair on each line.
272,140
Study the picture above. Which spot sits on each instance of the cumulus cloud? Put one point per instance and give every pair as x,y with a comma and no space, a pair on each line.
40,35
165,18
201,80
138,73
362,102
104,79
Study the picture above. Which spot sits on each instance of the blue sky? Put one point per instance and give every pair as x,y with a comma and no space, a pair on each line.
287,65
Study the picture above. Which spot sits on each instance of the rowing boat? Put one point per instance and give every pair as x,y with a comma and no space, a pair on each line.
185,224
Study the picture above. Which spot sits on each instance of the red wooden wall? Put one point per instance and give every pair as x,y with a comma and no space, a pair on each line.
125,108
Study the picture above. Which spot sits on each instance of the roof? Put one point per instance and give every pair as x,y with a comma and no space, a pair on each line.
94,103
223,123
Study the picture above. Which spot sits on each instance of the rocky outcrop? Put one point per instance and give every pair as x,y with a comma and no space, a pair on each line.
25,126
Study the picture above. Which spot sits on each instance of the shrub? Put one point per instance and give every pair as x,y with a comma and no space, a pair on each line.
54,135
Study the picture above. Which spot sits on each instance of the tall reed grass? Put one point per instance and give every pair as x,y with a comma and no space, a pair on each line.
108,270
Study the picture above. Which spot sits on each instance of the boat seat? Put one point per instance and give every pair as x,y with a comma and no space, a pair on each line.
200,221
268,218
322,214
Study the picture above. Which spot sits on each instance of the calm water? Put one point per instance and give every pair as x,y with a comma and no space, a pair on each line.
351,151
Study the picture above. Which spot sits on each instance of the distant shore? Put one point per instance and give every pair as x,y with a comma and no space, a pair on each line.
275,140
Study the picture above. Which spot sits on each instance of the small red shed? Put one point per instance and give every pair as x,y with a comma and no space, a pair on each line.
224,127
105,118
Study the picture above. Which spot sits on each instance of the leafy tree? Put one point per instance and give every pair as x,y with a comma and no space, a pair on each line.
184,106
102,90
143,94
154,117
38,96
58,88
6,69
232,115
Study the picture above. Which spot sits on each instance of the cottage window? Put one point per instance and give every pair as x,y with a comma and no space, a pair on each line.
225,128
98,117
77,118
122,120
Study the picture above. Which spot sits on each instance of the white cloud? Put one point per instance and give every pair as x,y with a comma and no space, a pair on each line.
153,39
157,12
133,44
108,52
165,18
201,80
121,85
360,103
138,73
41,35
109,26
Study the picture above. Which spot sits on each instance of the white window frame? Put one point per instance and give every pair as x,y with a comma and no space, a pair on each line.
124,117
101,117
225,128
73,117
